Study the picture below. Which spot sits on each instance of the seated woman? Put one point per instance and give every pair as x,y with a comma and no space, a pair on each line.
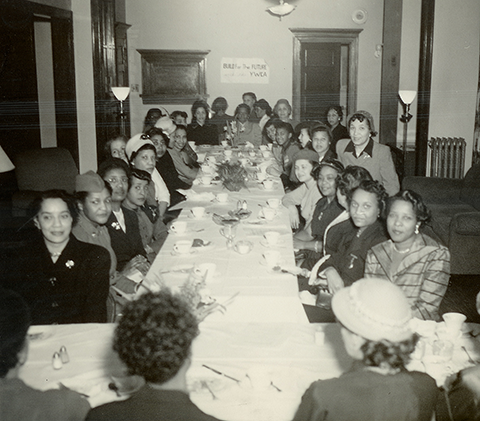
220,117
153,114
283,110
94,201
142,155
284,149
412,260
200,130
339,131
115,148
307,194
244,131
19,401
186,167
62,279
269,131
152,231
347,264
326,209
374,320
362,150
165,165
179,117
263,111
302,133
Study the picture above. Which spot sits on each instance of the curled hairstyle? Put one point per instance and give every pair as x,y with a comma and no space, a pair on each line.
81,196
271,122
361,118
176,113
156,131
14,324
279,124
140,174
350,178
320,127
199,104
387,354
146,147
107,150
219,104
57,194
337,108
250,94
375,187
240,106
422,213
282,101
154,336
332,163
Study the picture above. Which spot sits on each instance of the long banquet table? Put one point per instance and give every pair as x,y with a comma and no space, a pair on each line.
260,293
263,334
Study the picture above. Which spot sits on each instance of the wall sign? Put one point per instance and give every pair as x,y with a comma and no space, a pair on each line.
244,70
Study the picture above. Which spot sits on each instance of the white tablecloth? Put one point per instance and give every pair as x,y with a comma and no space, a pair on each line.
263,295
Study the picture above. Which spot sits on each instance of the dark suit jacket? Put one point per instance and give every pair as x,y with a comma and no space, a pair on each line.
126,245
74,289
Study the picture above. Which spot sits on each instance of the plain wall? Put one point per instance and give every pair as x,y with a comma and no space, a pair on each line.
245,30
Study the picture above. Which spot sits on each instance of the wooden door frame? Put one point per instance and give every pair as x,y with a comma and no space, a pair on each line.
310,35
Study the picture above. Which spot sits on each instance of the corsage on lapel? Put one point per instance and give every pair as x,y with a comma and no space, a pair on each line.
69,264
116,225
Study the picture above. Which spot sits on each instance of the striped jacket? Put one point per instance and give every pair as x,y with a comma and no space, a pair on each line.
423,273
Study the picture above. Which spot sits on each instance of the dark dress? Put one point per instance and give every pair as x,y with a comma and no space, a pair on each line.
151,404
126,245
74,289
167,170
339,132
365,395
202,135
220,122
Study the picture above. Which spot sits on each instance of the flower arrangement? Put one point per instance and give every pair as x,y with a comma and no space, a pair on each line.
197,296
232,175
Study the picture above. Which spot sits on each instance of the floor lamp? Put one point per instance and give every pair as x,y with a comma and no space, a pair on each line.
407,97
121,94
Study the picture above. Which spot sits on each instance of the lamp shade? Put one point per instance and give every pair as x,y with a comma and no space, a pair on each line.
5,163
407,97
120,92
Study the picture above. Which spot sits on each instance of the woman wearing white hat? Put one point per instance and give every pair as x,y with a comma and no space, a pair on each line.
141,154
374,316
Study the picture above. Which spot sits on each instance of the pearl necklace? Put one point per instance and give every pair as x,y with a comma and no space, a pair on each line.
56,254
401,251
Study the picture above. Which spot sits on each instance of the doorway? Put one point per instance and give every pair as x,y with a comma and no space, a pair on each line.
324,71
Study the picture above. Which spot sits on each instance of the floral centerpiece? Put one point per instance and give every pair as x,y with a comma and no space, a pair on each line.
232,175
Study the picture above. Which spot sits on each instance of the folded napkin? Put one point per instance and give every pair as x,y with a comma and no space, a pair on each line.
197,197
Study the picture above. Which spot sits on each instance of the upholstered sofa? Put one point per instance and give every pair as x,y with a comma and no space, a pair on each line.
455,206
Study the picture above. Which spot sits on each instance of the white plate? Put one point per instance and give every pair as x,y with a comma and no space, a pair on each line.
264,243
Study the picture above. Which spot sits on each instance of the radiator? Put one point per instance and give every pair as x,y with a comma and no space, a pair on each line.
447,157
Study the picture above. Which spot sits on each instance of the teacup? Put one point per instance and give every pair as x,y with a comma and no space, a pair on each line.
222,197
243,247
272,237
272,258
252,154
268,184
206,180
182,246
274,203
269,213
261,176
198,212
454,321
206,271
224,143
178,227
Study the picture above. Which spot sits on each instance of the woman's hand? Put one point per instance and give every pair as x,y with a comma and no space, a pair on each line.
294,217
298,244
139,263
334,280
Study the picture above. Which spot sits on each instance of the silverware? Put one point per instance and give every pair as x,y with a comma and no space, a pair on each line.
204,383
275,387
221,374
470,360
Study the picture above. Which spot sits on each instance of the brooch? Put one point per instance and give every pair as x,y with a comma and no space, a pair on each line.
116,225
69,264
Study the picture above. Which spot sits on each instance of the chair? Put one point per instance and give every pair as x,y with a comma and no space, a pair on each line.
38,170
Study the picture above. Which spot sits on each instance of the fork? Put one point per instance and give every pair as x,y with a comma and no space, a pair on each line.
205,384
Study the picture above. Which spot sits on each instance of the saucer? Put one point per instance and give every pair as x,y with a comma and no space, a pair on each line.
264,243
